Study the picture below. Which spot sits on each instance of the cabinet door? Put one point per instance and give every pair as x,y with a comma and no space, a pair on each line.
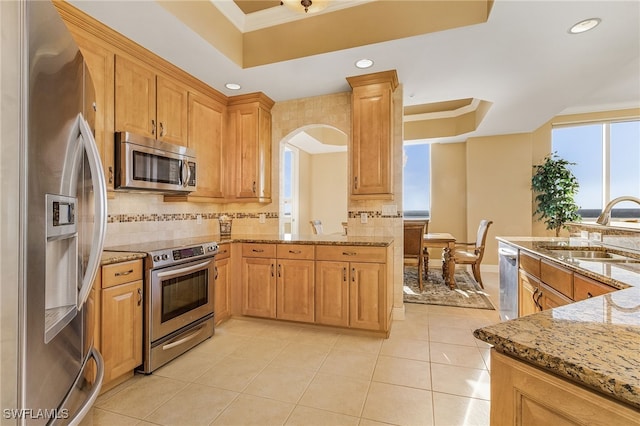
135,98
371,153
366,298
332,293
221,290
295,290
245,120
206,127
585,288
121,328
100,62
551,298
171,104
528,288
264,155
258,287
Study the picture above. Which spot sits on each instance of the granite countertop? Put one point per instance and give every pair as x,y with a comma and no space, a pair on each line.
594,342
618,275
111,257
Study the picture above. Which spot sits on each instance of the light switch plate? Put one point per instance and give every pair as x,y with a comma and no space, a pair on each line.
261,218
199,219
364,217
389,209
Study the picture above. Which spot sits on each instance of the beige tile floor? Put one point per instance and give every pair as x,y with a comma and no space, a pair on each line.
431,371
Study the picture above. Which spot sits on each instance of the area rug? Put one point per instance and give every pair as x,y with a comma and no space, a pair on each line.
467,293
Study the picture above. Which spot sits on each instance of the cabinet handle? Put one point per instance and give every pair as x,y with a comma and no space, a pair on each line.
533,296
344,274
279,270
161,129
272,269
120,274
257,250
589,295
110,174
355,182
538,300
223,251
215,274
253,187
295,251
139,296
153,127
353,275
349,253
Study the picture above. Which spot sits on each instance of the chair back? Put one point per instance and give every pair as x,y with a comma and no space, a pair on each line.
481,237
414,231
316,227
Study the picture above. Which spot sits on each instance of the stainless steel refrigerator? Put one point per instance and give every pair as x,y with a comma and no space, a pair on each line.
58,218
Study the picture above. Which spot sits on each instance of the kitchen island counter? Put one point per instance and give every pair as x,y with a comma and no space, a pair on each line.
594,342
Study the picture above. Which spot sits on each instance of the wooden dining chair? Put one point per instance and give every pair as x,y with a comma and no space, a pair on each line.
316,227
414,231
472,253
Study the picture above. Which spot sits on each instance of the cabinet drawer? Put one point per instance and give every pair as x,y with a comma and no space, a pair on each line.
224,251
352,253
558,278
295,251
258,250
530,263
120,273
584,288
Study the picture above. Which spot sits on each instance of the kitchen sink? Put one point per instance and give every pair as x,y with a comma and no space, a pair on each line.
598,255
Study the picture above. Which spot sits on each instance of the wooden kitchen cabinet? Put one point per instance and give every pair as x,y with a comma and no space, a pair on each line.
121,319
222,285
550,298
522,394
259,280
528,288
585,287
351,287
295,287
149,104
372,127
249,156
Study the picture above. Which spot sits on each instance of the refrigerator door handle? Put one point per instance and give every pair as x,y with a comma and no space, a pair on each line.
100,220
95,390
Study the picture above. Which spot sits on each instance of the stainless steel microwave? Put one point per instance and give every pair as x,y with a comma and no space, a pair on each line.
145,164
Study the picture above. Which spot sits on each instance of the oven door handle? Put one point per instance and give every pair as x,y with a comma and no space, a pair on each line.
185,339
182,271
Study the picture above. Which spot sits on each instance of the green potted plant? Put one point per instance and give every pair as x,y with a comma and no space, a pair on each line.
556,187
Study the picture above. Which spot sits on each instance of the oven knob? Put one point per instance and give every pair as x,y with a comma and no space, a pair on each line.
165,256
210,248
156,258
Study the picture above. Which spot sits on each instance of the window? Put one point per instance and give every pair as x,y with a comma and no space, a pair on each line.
607,157
417,180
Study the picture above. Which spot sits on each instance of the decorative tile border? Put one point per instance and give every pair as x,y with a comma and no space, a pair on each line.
373,214
172,217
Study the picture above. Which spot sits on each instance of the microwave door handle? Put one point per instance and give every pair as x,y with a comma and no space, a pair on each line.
100,206
185,173
177,272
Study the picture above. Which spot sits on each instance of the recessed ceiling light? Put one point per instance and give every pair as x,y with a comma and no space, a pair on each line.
586,25
232,86
364,63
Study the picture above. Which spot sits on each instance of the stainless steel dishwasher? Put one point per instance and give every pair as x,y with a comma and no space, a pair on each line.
508,264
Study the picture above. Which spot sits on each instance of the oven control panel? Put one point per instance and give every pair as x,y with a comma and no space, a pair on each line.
177,255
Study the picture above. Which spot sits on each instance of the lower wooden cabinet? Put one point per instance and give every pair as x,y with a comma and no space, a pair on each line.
222,285
119,318
344,286
522,394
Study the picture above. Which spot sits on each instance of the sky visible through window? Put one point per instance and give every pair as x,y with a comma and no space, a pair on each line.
584,145
417,179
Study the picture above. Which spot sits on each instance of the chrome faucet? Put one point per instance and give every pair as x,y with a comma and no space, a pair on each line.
605,216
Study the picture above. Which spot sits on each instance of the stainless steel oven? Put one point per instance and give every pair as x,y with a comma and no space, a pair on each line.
178,297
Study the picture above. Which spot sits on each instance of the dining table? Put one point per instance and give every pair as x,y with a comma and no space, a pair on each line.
447,242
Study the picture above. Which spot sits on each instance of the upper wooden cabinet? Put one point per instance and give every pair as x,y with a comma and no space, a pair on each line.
249,130
149,104
206,131
372,135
